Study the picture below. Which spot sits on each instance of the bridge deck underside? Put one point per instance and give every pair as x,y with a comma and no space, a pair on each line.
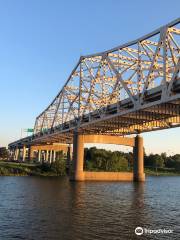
157,117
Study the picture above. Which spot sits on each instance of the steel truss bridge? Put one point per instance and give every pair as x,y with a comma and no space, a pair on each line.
129,89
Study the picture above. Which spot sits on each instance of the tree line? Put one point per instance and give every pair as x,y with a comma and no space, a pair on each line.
103,160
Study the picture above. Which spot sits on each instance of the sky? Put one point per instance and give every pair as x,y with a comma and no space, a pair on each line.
42,40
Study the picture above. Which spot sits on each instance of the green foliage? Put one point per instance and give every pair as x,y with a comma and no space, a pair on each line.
157,160
3,171
7,170
59,155
154,160
95,160
162,172
45,167
173,161
59,167
103,160
3,153
160,161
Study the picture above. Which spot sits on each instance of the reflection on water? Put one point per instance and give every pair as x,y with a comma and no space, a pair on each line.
54,208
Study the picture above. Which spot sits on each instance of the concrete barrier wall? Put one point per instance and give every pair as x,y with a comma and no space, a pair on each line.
108,176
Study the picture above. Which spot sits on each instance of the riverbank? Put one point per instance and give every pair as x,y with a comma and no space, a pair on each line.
162,172
58,169
31,169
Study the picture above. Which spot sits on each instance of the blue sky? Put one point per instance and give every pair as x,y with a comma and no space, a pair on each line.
41,41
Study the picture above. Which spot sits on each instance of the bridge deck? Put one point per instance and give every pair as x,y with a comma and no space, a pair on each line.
119,119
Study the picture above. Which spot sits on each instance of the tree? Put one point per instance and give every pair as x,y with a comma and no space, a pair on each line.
103,160
154,160
157,161
164,156
3,153
59,155
176,161
59,167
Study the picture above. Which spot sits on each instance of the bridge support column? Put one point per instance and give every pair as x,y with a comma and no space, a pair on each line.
39,155
43,156
47,155
50,156
17,153
13,154
30,153
139,175
68,159
24,153
78,157
54,156
10,154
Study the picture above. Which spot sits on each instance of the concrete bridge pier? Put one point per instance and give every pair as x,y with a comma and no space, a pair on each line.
47,155
12,157
54,156
30,153
39,156
24,153
69,156
78,157
138,169
50,156
78,174
12,154
16,153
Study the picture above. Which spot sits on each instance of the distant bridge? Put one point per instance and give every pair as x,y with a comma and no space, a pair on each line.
129,89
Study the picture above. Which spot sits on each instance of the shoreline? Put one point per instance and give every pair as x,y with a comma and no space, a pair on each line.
46,170
28,169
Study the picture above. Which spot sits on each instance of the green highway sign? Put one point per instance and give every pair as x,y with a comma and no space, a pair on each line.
30,130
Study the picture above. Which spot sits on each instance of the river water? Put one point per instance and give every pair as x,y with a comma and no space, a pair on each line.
54,208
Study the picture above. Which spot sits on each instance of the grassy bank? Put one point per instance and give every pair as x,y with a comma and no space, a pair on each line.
32,169
162,172
58,169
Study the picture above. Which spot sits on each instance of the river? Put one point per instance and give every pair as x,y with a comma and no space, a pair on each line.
34,208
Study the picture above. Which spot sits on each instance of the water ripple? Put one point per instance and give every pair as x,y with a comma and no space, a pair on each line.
34,208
